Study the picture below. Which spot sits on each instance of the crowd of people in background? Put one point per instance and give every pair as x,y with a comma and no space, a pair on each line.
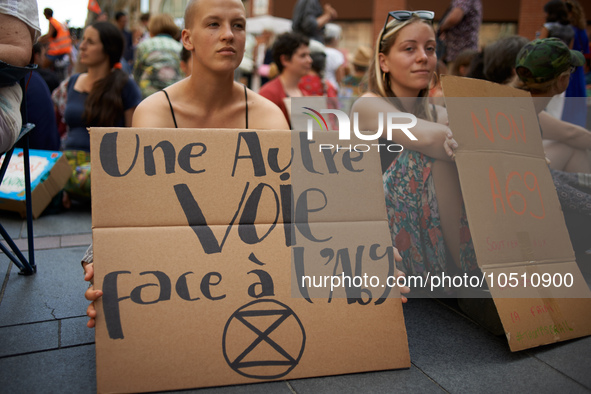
309,61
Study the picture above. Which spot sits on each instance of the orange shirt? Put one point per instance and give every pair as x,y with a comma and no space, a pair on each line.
62,43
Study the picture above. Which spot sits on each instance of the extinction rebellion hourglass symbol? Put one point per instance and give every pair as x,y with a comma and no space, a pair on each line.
263,340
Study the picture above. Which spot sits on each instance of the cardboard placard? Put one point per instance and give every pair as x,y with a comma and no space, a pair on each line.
515,218
195,253
49,173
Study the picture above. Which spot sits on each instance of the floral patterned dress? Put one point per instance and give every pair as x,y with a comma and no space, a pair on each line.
413,215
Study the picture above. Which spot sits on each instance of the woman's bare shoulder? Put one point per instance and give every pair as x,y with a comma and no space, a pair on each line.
153,111
371,102
264,114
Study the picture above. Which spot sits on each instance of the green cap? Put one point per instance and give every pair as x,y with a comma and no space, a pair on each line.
543,60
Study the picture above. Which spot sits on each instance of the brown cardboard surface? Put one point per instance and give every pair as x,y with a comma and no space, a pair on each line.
41,196
177,313
514,215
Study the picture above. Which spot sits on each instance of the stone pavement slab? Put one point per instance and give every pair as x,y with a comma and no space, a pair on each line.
257,388
28,338
572,358
55,292
410,380
68,222
74,332
13,224
463,357
68,370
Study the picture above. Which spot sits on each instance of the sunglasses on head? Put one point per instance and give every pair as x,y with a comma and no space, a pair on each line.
406,15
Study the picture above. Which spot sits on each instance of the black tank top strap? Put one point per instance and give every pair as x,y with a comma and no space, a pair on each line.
246,101
171,110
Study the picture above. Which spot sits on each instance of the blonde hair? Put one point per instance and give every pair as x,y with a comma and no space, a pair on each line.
378,82
163,24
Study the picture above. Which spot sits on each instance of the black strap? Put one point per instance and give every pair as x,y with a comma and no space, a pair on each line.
171,110
246,99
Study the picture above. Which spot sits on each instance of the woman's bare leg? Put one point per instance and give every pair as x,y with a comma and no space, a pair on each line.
579,162
449,200
566,158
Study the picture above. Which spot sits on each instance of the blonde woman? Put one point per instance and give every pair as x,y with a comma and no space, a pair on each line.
422,190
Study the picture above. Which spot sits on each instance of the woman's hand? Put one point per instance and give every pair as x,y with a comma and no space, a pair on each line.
450,145
91,294
398,273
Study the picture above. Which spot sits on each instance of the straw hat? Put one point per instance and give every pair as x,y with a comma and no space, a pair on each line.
362,56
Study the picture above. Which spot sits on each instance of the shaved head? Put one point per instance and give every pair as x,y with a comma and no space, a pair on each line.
192,10
190,13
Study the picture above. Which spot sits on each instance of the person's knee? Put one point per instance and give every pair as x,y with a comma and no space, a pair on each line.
10,116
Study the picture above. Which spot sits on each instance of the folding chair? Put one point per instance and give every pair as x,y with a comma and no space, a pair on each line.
8,76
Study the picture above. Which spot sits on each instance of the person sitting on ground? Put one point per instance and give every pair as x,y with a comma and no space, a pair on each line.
462,63
499,59
157,61
422,191
573,189
49,76
476,67
104,96
543,68
41,113
565,144
210,98
292,57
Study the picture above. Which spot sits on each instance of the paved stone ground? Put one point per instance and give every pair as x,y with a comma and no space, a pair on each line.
45,346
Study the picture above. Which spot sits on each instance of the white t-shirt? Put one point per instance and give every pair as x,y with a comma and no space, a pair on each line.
334,60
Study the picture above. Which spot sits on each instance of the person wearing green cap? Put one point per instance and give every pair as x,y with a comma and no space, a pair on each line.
543,68
545,65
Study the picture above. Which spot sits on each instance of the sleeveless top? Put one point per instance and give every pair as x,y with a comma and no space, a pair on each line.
174,119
